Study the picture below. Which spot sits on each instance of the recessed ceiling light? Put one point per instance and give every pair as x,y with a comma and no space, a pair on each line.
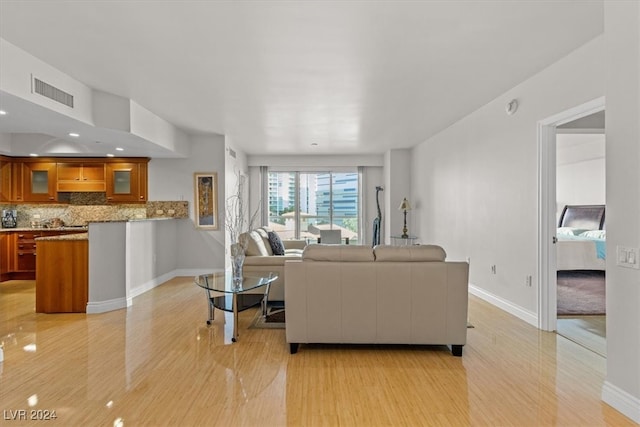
119,149
33,154
2,112
109,155
73,134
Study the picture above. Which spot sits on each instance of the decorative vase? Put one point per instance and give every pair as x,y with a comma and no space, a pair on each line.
237,261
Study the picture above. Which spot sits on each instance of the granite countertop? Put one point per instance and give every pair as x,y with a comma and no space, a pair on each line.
79,229
84,228
74,236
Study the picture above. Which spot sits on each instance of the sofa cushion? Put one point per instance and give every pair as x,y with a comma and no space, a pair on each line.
344,253
276,243
269,261
253,243
264,233
416,253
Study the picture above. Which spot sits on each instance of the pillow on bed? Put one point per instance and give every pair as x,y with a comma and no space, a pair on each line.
595,234
570,231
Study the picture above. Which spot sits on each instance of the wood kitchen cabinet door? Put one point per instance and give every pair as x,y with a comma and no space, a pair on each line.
5,250
82,177
126,182
5,179
39,181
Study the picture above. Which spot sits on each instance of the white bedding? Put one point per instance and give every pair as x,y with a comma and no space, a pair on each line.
577,254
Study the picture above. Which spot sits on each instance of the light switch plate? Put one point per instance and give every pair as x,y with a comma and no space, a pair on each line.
627,257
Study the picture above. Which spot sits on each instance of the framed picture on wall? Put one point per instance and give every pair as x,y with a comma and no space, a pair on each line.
206,200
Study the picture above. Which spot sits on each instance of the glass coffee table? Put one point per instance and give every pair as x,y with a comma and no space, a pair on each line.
224,294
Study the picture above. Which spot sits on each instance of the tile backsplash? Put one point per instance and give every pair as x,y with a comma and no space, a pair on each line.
78,214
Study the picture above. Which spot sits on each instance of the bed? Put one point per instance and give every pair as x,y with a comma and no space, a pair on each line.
581,238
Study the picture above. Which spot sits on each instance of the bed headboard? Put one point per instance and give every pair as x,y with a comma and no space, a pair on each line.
588,217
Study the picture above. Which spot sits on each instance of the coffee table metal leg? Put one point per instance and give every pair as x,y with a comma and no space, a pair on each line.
235,318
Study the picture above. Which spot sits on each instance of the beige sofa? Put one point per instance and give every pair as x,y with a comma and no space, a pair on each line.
385,295
259,258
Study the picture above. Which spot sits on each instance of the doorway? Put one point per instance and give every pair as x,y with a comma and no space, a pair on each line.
547,208
580,187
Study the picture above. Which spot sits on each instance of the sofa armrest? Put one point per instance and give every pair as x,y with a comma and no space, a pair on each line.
294,244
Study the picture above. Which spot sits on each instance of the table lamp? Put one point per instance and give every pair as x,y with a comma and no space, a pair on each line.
405,206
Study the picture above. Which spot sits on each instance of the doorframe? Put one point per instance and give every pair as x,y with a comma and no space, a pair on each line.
547,303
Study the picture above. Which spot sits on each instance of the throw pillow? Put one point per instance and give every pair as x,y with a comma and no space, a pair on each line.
276,243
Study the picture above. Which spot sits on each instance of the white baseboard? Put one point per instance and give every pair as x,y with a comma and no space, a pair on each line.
192,272
145,287
508,306
108,305
621,401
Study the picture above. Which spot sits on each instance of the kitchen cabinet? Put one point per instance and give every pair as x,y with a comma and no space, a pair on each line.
19,252
38,181
5,179
25,251
4,256
81,177
127,182
27,179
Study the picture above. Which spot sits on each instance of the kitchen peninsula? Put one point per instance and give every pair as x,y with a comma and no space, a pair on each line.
62,278
105,268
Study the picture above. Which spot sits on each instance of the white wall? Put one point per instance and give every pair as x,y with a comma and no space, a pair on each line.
477,188
397,186
172,179
622,46
151,253
580,174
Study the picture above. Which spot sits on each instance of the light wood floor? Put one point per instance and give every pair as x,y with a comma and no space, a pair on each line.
588,331
157,363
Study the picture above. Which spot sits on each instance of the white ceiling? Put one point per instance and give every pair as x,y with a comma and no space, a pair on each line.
277,76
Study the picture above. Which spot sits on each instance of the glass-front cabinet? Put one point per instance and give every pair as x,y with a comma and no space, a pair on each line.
39,181
126,182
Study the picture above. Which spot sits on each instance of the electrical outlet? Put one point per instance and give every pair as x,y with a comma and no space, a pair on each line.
159,212
528,281
36,216
171,211
493,269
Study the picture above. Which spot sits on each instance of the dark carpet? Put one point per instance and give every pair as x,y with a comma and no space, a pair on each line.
581,292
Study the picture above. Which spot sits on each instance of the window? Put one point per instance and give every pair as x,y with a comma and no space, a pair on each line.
303,203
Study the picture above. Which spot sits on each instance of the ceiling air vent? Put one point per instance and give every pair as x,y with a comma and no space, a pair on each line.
52,92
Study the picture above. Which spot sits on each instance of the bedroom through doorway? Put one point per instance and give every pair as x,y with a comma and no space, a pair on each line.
581,232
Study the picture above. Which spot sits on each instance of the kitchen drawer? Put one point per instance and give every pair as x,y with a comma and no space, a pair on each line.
26,261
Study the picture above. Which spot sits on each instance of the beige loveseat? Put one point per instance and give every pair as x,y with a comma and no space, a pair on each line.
385,295
259,258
